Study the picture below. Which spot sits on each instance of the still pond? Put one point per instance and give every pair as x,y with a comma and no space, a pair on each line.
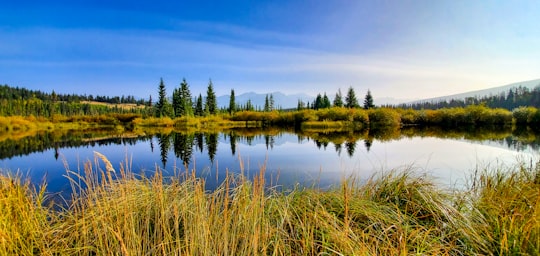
320,159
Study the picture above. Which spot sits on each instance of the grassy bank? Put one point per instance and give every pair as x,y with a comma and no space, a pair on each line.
397,213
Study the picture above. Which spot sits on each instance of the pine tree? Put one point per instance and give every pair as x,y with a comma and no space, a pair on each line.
338,100
211,103
199,111
163,107
187,103
326,102
350,99
318,102
368,101
177,104
266,104
232,103
271,102
301,105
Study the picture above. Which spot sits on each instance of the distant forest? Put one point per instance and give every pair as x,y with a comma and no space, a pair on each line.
16,93
24,102
513,98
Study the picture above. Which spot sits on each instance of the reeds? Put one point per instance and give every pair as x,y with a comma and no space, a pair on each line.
115,212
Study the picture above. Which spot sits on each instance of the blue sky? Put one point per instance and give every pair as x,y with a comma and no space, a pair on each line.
399,49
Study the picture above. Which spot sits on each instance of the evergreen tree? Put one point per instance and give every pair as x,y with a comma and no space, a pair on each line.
199,106
186,101
338,100
266,104
271,102
368,101
163,107
211,103
232,103
318,102
326,102
350,99
177,104
249,105
301,105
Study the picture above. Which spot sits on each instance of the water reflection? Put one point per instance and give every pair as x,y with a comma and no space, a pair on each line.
315,155
184,144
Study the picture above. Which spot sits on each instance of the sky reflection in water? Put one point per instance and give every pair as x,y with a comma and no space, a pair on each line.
289,160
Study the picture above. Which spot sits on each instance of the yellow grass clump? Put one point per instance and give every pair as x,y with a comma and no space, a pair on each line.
116,212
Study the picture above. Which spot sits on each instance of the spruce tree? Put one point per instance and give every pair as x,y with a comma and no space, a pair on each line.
338,100
271,102
232,103
186,102
318,102
350,99
368,101
266,104
163,107
177,104
326,102
211,103
199,111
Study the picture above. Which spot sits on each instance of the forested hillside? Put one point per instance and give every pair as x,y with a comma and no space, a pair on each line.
513,98
25,102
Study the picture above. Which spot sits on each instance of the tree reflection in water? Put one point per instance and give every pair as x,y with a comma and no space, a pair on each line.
185,143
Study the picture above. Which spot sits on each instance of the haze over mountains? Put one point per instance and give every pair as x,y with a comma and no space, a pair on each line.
291,101
531,84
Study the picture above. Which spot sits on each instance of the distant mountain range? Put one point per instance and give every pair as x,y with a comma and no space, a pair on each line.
531,84
285,101
281,100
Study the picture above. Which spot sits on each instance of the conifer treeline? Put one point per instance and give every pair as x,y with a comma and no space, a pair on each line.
513,98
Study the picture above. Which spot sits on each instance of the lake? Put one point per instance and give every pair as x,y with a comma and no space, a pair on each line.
316,158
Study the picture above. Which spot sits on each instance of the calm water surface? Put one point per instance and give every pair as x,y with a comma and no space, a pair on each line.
289,159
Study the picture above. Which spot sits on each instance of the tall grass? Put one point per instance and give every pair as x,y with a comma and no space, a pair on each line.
116,212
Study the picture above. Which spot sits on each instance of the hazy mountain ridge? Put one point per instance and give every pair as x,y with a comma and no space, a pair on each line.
281,100
530,84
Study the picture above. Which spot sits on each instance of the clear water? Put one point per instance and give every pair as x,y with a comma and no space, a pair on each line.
289,159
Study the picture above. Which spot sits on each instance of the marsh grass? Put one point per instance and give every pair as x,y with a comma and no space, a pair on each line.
116,212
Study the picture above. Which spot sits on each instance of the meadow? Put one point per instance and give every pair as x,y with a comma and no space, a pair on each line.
398,212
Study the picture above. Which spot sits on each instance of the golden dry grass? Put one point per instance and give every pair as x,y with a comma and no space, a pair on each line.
116,212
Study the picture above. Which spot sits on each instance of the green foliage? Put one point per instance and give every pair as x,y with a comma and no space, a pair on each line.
210,106
384,117
350,100
338,100
368,101
524,115
182,102
199,110
163,107
232,103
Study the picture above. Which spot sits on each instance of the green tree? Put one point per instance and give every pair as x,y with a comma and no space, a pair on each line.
199,111
368,101
271,102
232,103
163,107
318,102
338,100
301,105
211,102
266,103
249,106
187,103
350,99
177,104
326,101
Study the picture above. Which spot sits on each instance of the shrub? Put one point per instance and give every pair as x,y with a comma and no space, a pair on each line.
523,115
384,117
